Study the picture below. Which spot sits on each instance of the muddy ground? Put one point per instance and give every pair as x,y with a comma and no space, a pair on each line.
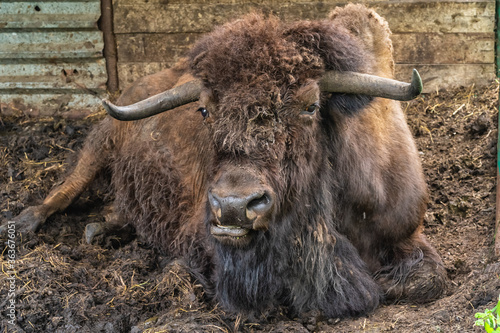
64,285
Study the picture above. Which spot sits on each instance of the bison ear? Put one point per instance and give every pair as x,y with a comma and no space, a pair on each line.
335,46
372,32
354,38
339,51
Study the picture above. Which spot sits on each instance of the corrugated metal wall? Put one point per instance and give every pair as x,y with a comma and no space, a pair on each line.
51,59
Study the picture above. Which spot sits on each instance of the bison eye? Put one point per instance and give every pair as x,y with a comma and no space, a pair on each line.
203,111
311,109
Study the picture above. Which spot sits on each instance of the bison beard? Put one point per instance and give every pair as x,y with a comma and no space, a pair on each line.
276,193
295,268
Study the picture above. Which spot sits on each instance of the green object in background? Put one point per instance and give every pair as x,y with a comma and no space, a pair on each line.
489,319
497,61
497,46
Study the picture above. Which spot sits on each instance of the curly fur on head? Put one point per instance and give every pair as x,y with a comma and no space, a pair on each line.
254,65
251,51
255,51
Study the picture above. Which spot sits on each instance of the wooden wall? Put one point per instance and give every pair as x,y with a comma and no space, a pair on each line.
451,43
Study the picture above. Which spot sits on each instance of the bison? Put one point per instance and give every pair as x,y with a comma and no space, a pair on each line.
284,173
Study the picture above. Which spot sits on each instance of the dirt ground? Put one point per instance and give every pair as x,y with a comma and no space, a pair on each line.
64,285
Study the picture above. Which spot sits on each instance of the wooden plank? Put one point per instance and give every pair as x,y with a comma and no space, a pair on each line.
50,44
436,77
427,48
75,75
159,47
338,3
129,72
408,48
49,14
443,17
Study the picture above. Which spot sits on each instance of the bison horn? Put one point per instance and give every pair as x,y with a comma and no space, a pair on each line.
167,100
366,84
332,81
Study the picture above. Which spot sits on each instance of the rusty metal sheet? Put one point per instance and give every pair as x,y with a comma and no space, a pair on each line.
50,44
50,104
72,76
51,59
49,14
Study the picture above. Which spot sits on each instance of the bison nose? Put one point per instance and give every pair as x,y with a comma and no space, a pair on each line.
241,210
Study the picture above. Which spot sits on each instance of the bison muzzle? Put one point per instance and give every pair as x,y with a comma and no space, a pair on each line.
276,162
240,205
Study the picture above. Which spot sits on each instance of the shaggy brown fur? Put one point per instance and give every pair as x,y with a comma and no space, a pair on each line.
340,195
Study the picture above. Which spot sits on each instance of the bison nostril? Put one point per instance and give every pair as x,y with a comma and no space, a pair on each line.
215,204
258,206
259,203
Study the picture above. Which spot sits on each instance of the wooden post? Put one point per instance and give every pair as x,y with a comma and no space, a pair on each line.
110,52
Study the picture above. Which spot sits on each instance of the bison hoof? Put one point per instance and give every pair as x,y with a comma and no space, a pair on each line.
25,223
93,230
426,282
427,285
108,235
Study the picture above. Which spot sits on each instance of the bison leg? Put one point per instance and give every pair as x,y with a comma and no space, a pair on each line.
416,272
354,291
91,160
